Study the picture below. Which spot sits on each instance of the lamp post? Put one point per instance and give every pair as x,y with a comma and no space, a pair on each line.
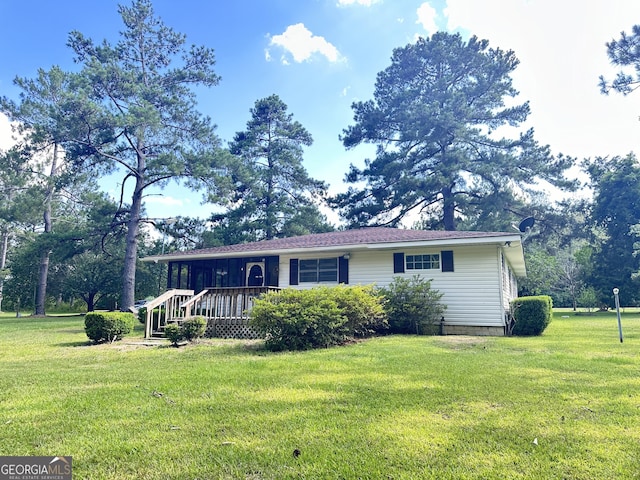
616,291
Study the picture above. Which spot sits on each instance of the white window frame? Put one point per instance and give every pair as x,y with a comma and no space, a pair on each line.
426,261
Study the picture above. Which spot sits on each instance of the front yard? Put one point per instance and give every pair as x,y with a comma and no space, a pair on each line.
563,405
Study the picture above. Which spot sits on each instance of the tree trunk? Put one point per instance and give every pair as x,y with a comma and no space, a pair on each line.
448,209
41,289
91,305
43,273
131,252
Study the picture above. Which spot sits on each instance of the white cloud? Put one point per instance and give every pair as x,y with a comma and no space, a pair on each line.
6,135
561,48
302,45
427,17
166,200
366,3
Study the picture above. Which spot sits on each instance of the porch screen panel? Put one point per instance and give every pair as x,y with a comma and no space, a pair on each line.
184,280
272,271
172,276
236,276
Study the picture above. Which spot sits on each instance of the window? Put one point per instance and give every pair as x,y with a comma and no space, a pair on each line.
423,262
318,270
434,261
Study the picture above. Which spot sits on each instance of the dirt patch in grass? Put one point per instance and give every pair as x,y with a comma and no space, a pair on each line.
132,344
459,342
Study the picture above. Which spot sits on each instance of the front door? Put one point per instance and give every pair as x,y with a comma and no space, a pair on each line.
255,274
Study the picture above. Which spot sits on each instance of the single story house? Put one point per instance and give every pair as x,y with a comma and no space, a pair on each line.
475,271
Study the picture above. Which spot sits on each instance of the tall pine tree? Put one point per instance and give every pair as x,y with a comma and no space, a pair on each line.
135,112
434,119
275,196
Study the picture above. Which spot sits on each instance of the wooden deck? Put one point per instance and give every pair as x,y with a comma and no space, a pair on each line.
226,310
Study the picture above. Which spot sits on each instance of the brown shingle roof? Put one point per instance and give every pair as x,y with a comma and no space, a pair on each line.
361,236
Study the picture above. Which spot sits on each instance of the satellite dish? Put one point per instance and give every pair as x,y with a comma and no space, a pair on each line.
526,224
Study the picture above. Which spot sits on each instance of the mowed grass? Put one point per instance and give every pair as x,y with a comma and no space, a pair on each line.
565,405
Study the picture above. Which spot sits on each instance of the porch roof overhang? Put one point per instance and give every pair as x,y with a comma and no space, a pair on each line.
349,241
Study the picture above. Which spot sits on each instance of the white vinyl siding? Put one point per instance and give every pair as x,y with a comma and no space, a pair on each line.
472,292
509,283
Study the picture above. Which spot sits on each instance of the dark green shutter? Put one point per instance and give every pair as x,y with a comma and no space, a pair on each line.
293,271
447,260
398,263
343,270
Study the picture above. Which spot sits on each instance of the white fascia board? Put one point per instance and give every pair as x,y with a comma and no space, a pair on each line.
447,242
249,253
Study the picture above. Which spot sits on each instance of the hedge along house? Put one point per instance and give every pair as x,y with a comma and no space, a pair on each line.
475,271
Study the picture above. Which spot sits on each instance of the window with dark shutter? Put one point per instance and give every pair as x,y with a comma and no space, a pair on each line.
398,263
447,260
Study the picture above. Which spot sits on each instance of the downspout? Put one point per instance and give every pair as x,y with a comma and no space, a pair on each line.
503,313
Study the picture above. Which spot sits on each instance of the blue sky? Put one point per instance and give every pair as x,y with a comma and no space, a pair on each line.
319,56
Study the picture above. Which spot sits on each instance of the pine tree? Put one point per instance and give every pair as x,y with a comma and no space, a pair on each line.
436,119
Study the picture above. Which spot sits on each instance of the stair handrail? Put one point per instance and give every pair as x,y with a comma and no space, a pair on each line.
156,302
187,304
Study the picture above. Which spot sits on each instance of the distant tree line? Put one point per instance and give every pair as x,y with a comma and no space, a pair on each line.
450,154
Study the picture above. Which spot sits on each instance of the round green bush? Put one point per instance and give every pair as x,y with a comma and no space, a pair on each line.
193,328
531,315
173,333
413,306
363,306
108,326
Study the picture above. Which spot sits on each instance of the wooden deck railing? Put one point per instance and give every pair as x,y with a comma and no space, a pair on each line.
229,306
224,303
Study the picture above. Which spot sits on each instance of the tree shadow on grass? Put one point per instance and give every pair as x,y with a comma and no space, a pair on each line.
85,343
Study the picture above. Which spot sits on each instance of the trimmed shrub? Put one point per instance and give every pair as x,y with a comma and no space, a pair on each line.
193,328
412,306
173,333
108,326
298,319
531,315
320,317
363,307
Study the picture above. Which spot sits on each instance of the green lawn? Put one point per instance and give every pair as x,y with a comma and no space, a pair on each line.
395,407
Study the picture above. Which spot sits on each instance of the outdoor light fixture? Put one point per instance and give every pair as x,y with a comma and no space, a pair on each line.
346,256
